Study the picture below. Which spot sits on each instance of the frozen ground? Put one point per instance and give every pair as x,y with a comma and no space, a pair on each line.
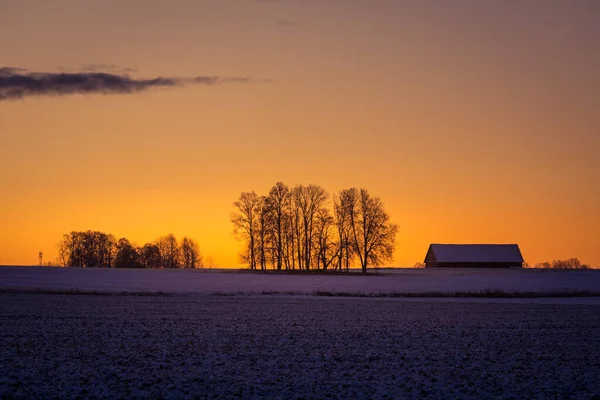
223,281
69,346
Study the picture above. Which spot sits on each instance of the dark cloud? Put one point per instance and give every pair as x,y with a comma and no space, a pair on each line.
18,83
110,68
11,71
115,69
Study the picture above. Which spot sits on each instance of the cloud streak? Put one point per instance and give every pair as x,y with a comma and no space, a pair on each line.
18,83
108,68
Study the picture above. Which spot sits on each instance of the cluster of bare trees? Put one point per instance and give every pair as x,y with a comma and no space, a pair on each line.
571,263
92,249
294,228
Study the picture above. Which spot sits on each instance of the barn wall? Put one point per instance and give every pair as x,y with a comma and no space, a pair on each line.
430,260
478,265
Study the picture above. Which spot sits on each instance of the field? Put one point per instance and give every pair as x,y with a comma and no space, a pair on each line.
211,334
399,281
294,347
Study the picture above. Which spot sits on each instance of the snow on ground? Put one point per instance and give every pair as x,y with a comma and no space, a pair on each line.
73,346
232,281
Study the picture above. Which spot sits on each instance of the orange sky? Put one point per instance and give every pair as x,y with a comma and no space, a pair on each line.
474,121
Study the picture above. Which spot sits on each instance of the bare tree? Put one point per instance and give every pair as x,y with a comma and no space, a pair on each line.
244,225
106,248
294,228
89,249
262,231
65,248
127,255
150,256
344,231
169,251
308,201
210,263
326,249
289,229
374,237
295,234
278,204
190,253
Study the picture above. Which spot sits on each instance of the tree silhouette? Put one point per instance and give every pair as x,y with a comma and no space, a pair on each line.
262,230
190,253
308,201
571,263
278,202
92,249
294,228
244,225
127,255
170,253
326,250
150,256
344,233
374,236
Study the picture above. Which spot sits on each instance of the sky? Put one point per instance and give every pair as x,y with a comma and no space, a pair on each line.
475,121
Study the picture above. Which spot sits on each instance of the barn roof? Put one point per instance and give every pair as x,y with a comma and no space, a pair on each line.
476,253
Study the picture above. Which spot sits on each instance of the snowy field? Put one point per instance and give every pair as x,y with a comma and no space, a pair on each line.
82,346
235,282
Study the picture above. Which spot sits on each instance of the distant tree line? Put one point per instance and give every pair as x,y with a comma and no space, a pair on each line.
296,229
571,263
92,249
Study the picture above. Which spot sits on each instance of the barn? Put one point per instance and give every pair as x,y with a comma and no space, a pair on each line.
473,256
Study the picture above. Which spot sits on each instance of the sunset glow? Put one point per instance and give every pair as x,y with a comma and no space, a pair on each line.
474,121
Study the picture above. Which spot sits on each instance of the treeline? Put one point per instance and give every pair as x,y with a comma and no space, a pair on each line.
92,249
296,229
571,263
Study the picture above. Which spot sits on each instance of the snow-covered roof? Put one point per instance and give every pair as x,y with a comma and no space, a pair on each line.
476,253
